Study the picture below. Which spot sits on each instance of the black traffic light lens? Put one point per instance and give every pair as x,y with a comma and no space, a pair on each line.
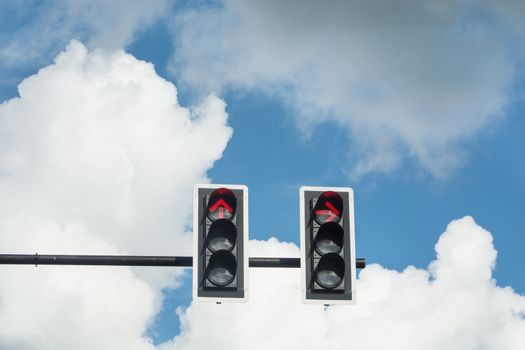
329,207
222,235
222,204
329,239
221,268
330,271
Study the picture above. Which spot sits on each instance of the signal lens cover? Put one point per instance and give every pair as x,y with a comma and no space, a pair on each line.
222,268
330,271
329,239
221,205
329,207
222,235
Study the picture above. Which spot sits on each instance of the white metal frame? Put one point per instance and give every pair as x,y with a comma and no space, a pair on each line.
350,192
196,188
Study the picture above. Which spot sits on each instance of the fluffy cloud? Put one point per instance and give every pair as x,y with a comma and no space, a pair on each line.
454,304
96,157
410,80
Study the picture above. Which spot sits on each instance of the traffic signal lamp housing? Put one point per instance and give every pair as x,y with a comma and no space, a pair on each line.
220,235
328,266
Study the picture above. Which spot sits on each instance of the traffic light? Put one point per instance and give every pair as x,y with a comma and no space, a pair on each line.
328,266
220,236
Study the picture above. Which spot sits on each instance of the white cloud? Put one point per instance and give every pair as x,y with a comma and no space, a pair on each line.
97,157
410,80
454,304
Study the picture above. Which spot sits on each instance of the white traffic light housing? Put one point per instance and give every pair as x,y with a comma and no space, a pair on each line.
328,264
220,236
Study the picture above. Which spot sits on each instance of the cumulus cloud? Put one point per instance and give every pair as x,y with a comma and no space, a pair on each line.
408,80
454,304
97,157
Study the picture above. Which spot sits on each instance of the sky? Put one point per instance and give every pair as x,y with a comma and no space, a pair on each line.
111,112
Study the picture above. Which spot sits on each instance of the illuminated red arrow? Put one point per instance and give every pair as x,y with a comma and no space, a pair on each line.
332,208
221,204
332,213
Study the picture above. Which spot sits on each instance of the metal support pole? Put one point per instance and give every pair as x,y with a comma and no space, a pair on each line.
133,260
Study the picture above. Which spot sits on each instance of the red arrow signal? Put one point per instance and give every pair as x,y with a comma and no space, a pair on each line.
221,205
331,213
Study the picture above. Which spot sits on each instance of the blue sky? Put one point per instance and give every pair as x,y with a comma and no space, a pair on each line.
289,129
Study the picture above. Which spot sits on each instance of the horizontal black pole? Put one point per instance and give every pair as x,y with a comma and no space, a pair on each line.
275,262
113,260
131,260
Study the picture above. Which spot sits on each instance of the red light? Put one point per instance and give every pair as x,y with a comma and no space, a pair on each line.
222,204
329,207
